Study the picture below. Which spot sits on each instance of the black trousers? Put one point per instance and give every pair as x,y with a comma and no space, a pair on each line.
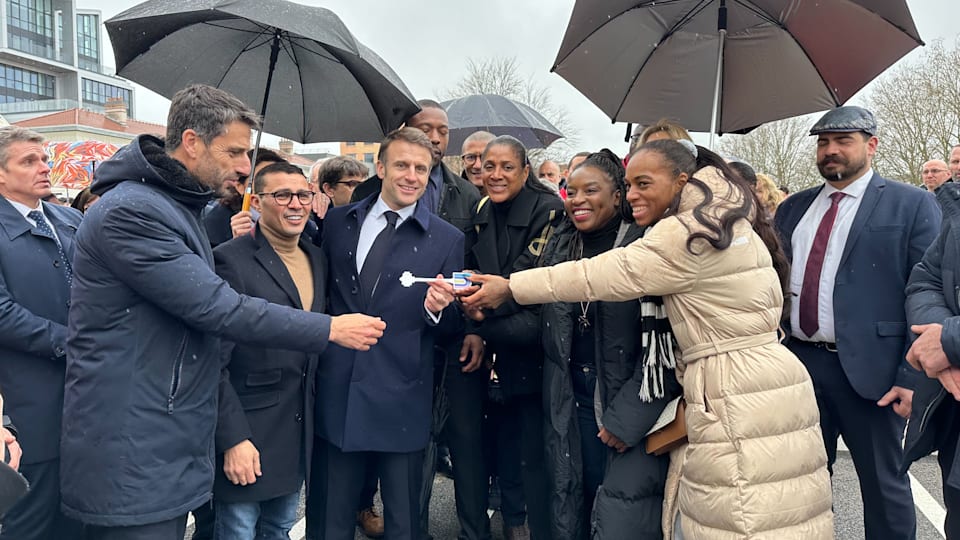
369,486
465,396
316,507
523,414
37,515
502,455
949,414
172,529
401,475
873,435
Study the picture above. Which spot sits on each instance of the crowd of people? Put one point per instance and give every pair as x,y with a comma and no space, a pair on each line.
165,351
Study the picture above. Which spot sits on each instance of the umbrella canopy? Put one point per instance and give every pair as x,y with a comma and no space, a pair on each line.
328,86
640,61
500,116
72,163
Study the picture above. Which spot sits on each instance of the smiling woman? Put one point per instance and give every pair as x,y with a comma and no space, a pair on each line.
511,229
619,352
717,264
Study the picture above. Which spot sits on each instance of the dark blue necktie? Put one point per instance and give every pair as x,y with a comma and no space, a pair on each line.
373,264
45,228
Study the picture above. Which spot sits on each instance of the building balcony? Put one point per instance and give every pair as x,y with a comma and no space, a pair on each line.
43,105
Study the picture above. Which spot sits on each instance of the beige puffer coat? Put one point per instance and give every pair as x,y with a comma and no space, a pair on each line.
755,467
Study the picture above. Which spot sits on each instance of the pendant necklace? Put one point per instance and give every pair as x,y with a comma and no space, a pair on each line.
582,321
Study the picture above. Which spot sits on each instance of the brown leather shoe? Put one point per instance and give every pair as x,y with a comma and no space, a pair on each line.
520,532
371,523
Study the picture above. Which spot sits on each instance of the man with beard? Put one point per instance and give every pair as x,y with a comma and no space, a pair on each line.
217,214
145,322
852,243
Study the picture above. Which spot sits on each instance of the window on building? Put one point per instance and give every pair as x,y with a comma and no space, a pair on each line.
88,41
30,27
97,93
368,158
18,84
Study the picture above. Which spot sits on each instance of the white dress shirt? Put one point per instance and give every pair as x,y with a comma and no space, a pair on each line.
373,223
24,210
802,241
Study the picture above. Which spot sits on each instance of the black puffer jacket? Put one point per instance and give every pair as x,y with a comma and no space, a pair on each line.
629,502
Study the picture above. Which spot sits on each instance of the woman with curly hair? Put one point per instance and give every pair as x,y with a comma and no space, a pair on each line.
716,261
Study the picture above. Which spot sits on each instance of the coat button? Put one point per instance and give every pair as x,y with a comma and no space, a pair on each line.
354,290
299,418
56,263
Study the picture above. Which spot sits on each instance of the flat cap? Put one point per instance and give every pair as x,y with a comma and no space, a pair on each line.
846,119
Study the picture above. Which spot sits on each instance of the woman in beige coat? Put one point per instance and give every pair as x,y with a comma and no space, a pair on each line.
755,466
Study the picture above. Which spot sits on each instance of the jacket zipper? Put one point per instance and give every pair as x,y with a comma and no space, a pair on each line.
930,406
176,374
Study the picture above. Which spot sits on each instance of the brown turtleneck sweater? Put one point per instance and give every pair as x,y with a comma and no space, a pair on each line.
297,263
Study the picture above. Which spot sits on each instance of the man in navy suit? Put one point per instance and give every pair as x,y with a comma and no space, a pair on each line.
378,404
852,243
36,250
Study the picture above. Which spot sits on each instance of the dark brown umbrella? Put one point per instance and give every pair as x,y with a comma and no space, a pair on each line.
640,61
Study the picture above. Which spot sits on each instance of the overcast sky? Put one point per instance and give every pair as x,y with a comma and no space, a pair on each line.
428,41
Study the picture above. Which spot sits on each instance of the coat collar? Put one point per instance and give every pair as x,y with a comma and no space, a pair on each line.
12,221
521,210
274,266
421,214
15,225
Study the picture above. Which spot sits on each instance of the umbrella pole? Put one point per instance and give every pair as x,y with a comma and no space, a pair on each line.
274,53
717,87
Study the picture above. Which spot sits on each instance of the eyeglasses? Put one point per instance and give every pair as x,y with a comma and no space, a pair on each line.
352,184
932,171
470,159
285,197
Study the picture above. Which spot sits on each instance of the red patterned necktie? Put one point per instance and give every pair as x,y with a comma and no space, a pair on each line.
809,318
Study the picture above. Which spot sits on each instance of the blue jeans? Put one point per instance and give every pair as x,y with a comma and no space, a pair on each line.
265,520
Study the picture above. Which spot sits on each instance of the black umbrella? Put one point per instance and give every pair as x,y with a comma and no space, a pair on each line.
328,86
500,116
729,65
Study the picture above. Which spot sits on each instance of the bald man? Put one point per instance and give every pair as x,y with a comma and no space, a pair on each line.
549,171
934,173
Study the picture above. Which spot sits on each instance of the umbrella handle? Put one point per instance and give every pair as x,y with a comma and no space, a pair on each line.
247,195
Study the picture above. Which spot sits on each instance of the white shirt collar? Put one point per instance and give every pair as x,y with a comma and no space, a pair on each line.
380,207
855,189
24,209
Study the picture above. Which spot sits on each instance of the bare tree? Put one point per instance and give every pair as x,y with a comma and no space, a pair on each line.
781,149
502,76
917,105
